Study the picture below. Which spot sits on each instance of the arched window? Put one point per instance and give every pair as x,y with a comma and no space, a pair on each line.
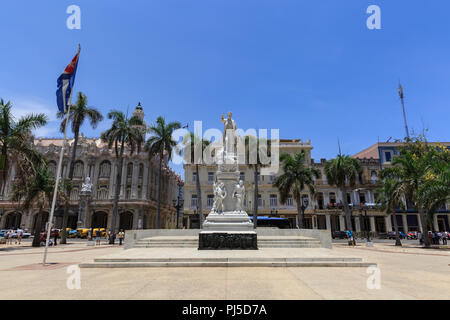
130,170
52,168
141,171
105,169
78,169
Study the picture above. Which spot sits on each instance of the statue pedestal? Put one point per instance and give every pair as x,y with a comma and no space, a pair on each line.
83,209
228,225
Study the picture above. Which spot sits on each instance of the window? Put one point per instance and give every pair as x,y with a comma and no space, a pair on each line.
194,176
242,176
349,198
259,177
260,204
52,168
105,169
194,201
74,194
374,176
130,170
102,193
332,198
139,192
305,199
78,169
141,171
289,201
210,177
210,201
388,156
273,201
362,198
272,178
128,193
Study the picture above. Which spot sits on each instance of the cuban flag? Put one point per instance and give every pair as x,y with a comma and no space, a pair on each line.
65,84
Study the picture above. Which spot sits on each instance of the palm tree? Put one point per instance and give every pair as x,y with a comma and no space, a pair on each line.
15,138
296,175
390,198
160,143
124,132
38,193
254,161
78,113
191,139
410,169
342,172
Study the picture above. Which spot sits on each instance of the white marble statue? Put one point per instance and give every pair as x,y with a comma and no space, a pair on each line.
86,186
239,194
219,195
229,134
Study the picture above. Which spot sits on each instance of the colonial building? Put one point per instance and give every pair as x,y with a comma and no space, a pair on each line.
324,210
384,153
138,193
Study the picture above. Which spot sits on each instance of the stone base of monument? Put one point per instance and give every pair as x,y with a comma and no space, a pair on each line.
228,231
231,240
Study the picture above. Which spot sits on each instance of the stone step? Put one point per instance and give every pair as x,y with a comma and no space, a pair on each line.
227,264
235,259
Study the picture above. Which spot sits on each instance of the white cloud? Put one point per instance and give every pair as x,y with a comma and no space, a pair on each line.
24,106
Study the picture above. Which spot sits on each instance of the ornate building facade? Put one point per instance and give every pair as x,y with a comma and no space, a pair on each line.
138,193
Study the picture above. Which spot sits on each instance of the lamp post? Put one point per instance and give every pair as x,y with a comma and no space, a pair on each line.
305,203
364,208
178,204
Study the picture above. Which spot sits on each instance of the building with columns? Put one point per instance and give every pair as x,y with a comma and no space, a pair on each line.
138,193
324,210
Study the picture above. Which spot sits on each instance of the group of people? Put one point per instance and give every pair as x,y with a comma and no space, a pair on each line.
436,237
11,234
110,235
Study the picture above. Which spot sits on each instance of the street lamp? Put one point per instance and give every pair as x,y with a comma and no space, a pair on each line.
305,203
178,204
361,209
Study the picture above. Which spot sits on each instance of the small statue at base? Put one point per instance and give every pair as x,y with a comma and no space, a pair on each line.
86,186
219,195
239,194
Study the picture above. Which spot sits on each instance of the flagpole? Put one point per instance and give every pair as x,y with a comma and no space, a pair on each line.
58,174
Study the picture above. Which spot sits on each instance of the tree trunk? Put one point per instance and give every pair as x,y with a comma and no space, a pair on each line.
397,235
117,192
199,197
37,230
255,199
70,177
348,214
158,217
425,227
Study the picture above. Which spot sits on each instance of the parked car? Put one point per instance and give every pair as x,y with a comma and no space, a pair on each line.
391,235
82,232
69,232
2,240
103,230
412,235
339,235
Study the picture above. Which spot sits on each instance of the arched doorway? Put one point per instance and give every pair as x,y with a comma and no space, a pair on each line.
99,220
126,221
13,220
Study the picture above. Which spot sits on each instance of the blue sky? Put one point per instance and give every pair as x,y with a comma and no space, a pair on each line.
310,68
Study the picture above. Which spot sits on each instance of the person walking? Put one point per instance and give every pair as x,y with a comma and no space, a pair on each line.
55,237
19,235
98,237
444,237
9,236
121,237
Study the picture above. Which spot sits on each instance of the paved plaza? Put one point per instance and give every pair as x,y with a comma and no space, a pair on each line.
406,273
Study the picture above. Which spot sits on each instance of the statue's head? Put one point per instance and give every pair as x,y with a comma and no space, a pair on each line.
88,179
229,114
241,183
